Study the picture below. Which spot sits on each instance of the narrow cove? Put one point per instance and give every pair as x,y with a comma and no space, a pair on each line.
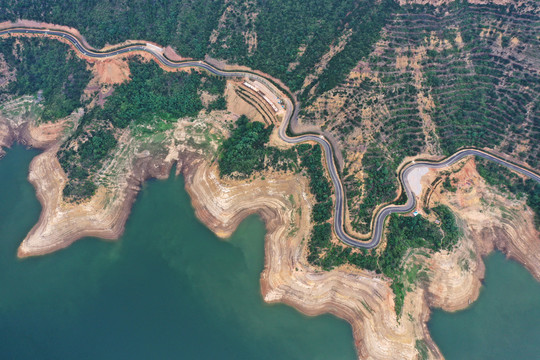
167,289
504,323
170,289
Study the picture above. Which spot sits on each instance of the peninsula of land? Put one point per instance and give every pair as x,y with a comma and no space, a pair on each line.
449,279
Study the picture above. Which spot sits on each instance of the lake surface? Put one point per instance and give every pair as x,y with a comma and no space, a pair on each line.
169,289
504,323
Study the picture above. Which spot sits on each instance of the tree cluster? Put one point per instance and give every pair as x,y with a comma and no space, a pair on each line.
41,66
83,162
245,150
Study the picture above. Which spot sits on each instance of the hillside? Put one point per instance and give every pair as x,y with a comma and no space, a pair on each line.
388,83
437,80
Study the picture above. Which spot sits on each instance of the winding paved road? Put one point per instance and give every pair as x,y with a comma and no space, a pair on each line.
291,113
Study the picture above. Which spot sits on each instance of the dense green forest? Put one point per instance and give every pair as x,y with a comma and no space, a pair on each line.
285,26
153,93
380,186
247,151
186,25
41,65
82,164
311,156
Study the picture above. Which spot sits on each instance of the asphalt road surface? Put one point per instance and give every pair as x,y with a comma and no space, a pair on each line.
291,113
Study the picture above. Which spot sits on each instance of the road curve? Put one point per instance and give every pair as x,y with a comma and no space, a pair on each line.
292,110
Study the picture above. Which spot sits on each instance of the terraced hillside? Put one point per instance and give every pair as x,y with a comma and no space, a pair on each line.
438,79
388,81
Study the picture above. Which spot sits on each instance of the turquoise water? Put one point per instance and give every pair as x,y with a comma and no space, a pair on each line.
169,289
503,324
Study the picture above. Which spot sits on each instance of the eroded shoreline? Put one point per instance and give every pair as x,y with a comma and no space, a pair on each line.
362,298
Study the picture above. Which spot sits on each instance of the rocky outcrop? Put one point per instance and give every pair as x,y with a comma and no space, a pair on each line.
363,298
61,223
103,216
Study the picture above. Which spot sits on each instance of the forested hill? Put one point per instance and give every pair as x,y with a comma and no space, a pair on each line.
388,81
285,38
311,45
439,79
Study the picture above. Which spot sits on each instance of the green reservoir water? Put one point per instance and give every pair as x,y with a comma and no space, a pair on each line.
504,323
169,289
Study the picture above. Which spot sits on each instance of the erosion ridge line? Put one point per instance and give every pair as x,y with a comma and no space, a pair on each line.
292,109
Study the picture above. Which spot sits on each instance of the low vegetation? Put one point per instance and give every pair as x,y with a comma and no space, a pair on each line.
421,347
448,184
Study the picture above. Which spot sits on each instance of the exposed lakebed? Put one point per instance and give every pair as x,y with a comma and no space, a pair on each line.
170,289
167,289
